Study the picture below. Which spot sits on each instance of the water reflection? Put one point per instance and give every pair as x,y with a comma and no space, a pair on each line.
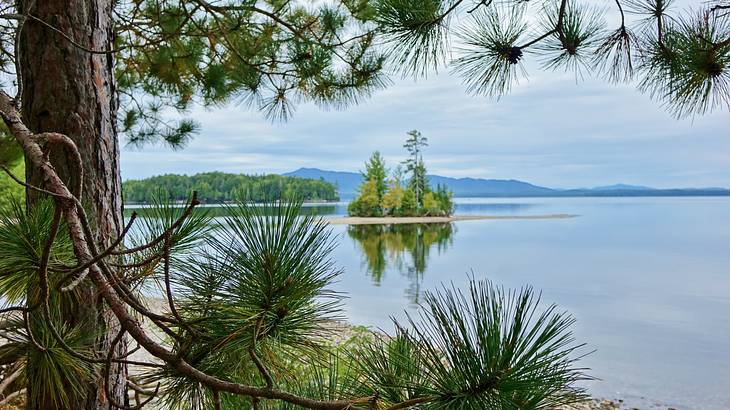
404,248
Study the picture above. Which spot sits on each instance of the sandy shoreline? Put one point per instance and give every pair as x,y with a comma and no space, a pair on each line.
390,220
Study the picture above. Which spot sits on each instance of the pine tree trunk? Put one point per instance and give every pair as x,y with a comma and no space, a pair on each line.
72,91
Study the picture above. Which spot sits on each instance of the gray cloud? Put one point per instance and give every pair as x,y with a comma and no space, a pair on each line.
551,130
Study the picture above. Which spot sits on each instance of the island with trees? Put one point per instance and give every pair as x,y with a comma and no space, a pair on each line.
393,195
220,187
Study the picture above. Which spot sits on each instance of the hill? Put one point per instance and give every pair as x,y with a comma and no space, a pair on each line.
347,183
466,187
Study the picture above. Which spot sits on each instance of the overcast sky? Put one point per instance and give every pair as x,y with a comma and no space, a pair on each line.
551,130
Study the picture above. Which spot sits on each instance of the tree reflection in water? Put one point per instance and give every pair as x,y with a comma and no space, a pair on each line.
404,247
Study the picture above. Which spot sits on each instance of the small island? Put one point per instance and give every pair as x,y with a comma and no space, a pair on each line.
405,193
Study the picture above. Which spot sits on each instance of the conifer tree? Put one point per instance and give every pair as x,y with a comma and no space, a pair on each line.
414,164
376,171
83,70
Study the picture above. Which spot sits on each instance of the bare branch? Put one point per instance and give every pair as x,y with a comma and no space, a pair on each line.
12,396
8,380
257,361
84,268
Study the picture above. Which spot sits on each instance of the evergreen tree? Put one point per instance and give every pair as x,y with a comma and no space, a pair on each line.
217,187
175,53
91,68
419,182
414,164
409,206
445,200
375,170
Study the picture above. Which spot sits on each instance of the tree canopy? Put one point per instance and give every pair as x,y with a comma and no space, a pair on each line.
219,187
380,195
272,55
268,55
681,57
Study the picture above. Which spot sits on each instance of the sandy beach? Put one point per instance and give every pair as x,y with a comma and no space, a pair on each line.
389,220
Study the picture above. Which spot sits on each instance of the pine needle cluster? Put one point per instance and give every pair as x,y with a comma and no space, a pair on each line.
250,304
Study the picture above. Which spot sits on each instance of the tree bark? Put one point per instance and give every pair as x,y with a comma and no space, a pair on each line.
72,91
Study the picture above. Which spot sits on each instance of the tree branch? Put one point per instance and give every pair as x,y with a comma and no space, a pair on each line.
84,252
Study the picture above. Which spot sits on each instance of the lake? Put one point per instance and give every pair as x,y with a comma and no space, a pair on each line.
648,280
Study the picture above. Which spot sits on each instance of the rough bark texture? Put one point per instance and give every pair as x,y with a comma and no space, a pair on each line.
71,91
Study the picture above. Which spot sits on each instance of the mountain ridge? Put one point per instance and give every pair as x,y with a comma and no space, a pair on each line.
348,182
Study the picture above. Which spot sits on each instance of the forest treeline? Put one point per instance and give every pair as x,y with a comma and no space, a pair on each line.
218,187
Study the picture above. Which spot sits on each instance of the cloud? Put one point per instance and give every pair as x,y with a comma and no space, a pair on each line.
551,130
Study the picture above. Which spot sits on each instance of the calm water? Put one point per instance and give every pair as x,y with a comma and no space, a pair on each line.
648,280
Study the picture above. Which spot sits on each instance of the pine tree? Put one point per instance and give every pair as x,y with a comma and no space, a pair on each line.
80,60
414,164
75,62
376,171
419,182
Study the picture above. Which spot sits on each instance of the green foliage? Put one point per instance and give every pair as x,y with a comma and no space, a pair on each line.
572,47
682,59
431,206
418,183
22,240
218,187
262,285
414,31
56,375
280,267
157,219
367,203
492,61
262,281
265,55
486,349
696,70
10,151
378,196
444,200
256,306
10,190
409,206
414,164
11,156
375,171
392,201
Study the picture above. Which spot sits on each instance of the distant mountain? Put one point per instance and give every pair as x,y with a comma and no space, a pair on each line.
348,182
466,187
622,187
